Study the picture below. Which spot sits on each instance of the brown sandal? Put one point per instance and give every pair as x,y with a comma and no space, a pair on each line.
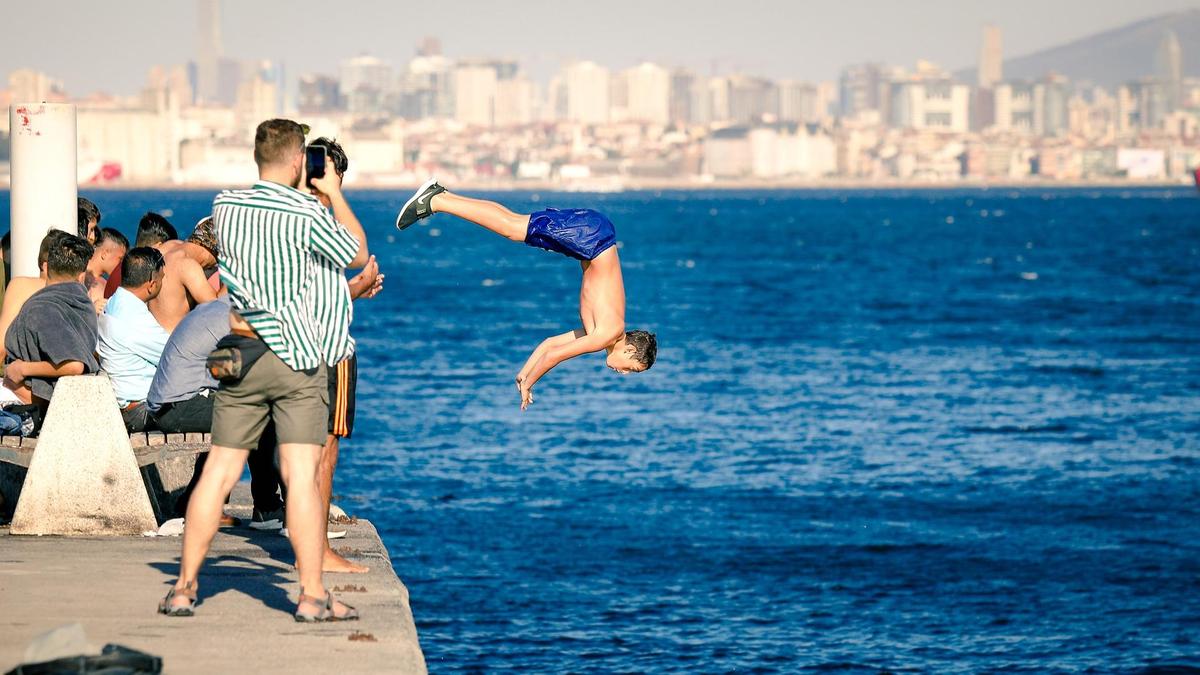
324,611
188,592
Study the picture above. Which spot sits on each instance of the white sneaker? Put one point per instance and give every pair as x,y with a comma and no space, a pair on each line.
331,534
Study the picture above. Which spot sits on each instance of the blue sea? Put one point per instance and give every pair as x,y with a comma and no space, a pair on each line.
934,430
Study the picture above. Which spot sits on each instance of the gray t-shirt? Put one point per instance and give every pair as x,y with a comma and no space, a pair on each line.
181,371
56,324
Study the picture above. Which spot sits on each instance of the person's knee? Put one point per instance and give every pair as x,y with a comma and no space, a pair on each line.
298,464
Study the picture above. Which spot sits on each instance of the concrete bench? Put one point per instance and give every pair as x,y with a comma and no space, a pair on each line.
166,462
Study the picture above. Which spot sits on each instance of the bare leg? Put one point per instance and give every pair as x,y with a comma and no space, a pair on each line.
491,215
298,466
329,455
221,473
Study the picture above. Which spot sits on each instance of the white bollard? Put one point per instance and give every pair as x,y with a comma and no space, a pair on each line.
43,182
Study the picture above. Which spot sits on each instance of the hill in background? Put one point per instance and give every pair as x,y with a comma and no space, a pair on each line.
1113,57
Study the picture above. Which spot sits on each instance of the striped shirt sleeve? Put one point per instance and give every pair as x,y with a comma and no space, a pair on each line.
331,240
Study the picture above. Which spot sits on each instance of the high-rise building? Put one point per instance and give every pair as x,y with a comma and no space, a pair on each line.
475,94
864,87
991,57
929,99
587,92
1019,107
366,84
798,102
1169,66
514,102
718,99
30,86
1056,98
427,87
648,93
208,50
751,99
318,94
680,107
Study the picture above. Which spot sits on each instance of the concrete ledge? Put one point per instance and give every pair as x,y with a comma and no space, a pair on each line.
243,623
166,462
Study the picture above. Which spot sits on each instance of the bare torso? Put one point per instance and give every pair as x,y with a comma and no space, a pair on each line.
174,301
602,295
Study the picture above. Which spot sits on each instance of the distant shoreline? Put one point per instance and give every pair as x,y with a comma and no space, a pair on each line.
688,186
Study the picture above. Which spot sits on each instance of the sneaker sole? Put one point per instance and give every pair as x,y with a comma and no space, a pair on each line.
329,534
267,526
424,186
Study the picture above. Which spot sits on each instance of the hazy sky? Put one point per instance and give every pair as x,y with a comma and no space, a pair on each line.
109,45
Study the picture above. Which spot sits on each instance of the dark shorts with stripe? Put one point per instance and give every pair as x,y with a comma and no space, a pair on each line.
582,234
343,389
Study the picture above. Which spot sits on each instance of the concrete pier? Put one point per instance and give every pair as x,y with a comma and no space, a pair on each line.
243,623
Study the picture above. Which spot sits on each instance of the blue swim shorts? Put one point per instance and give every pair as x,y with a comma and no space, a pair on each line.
582,234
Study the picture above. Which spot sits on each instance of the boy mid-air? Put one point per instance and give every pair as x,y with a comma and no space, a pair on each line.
583,234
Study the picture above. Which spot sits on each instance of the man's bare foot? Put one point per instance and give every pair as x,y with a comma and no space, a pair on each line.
336,563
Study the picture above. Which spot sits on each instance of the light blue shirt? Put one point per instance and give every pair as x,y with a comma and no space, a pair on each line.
131,343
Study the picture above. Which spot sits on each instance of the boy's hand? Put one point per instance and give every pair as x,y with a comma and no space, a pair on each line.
330,184
526,395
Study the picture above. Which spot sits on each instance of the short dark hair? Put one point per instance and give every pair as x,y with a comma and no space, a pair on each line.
275,140
51,239
205,236
139,266
68,256
88,211
333,149
108,234
645,346
154,229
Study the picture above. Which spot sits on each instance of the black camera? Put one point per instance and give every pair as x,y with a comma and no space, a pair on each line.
314,163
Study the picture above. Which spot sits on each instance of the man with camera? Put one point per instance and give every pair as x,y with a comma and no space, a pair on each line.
277,245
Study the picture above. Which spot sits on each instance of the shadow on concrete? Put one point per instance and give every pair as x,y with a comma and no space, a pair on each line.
247,574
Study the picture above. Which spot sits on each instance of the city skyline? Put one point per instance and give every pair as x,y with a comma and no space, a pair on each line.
944,32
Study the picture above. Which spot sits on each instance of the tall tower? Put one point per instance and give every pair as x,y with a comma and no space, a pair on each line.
1169,64
208,50
991,57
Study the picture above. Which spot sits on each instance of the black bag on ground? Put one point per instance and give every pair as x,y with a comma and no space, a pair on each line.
113,660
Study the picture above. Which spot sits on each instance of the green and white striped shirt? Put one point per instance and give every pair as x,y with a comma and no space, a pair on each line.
283,257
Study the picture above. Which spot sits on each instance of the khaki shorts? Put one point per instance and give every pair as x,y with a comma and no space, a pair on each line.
297,401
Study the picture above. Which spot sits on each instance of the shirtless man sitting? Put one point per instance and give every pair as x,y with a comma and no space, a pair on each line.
19,289
185,283
585,235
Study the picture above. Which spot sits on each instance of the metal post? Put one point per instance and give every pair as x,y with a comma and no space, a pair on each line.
43,178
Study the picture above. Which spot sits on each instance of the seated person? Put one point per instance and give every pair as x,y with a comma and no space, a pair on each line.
20,288
89,220
111,246
131,341
180,401
153,231
54,335
185,282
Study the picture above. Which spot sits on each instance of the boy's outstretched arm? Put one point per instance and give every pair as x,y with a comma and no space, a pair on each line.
557,354
546,345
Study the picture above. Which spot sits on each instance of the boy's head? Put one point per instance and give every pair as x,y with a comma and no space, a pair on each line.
67,258
633,353
154,230
205,236
335,157
142,272
111,246
89,219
